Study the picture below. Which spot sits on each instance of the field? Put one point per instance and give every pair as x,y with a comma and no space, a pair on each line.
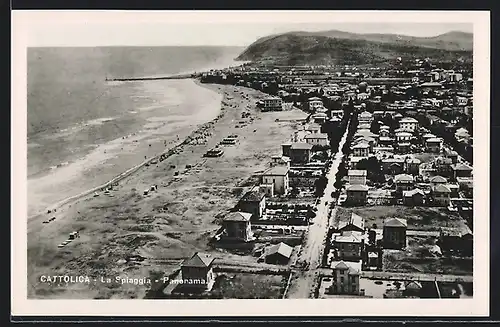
418,218
410,261
168,224
249,286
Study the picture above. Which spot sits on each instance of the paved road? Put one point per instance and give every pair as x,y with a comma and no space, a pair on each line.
301,287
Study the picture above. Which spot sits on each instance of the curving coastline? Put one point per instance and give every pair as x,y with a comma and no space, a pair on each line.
166,153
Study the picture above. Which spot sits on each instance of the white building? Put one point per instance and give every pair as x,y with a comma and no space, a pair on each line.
320,139
408,123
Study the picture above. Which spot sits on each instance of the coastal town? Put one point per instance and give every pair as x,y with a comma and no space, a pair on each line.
313,182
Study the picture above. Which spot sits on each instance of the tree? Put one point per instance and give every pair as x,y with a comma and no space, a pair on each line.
320,185
375,127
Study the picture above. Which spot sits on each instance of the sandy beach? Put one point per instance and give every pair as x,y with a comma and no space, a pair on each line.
167,225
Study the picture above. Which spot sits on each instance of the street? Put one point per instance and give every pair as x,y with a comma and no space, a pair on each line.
302,287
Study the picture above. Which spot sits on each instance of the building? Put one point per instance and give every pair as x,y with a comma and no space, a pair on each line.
437,180
453,155
272,104
461,170
433,145
197,273
361,150
280,161
278,177
319,139
314,103
348,246
414,197
357,177
253,202
355,223
404,182
412,165
313,128
441,195
394,233
345,279
279,254
403,137
409,124
365,118
300,153
357,194
320,117
456,239
237,226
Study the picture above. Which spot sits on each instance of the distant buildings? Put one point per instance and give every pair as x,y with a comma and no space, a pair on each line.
272,104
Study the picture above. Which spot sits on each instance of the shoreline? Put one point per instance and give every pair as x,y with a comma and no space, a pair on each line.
124,174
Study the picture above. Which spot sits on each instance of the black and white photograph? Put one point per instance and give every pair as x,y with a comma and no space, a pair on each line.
251,155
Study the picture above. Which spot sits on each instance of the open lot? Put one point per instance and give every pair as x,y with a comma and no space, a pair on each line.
418,218
412,260
249,286
172,222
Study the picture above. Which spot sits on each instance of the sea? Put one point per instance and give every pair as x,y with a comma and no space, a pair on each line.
83,130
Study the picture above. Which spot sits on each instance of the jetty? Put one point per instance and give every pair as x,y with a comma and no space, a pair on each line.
152,78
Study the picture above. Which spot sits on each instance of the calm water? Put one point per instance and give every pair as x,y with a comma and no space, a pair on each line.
71,107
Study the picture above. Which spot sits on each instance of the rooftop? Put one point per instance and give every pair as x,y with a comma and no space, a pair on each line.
301,146
403,178
281,248
276,171
360,188
438,179
395,222
253,196
462,167
408,120
442,189
356,172
322,136
199,260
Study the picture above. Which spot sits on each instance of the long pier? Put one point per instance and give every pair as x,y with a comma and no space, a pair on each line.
152,78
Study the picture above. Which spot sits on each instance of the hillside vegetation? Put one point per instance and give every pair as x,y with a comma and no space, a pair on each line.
336,47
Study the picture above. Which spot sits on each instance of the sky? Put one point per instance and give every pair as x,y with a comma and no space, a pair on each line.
155,29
